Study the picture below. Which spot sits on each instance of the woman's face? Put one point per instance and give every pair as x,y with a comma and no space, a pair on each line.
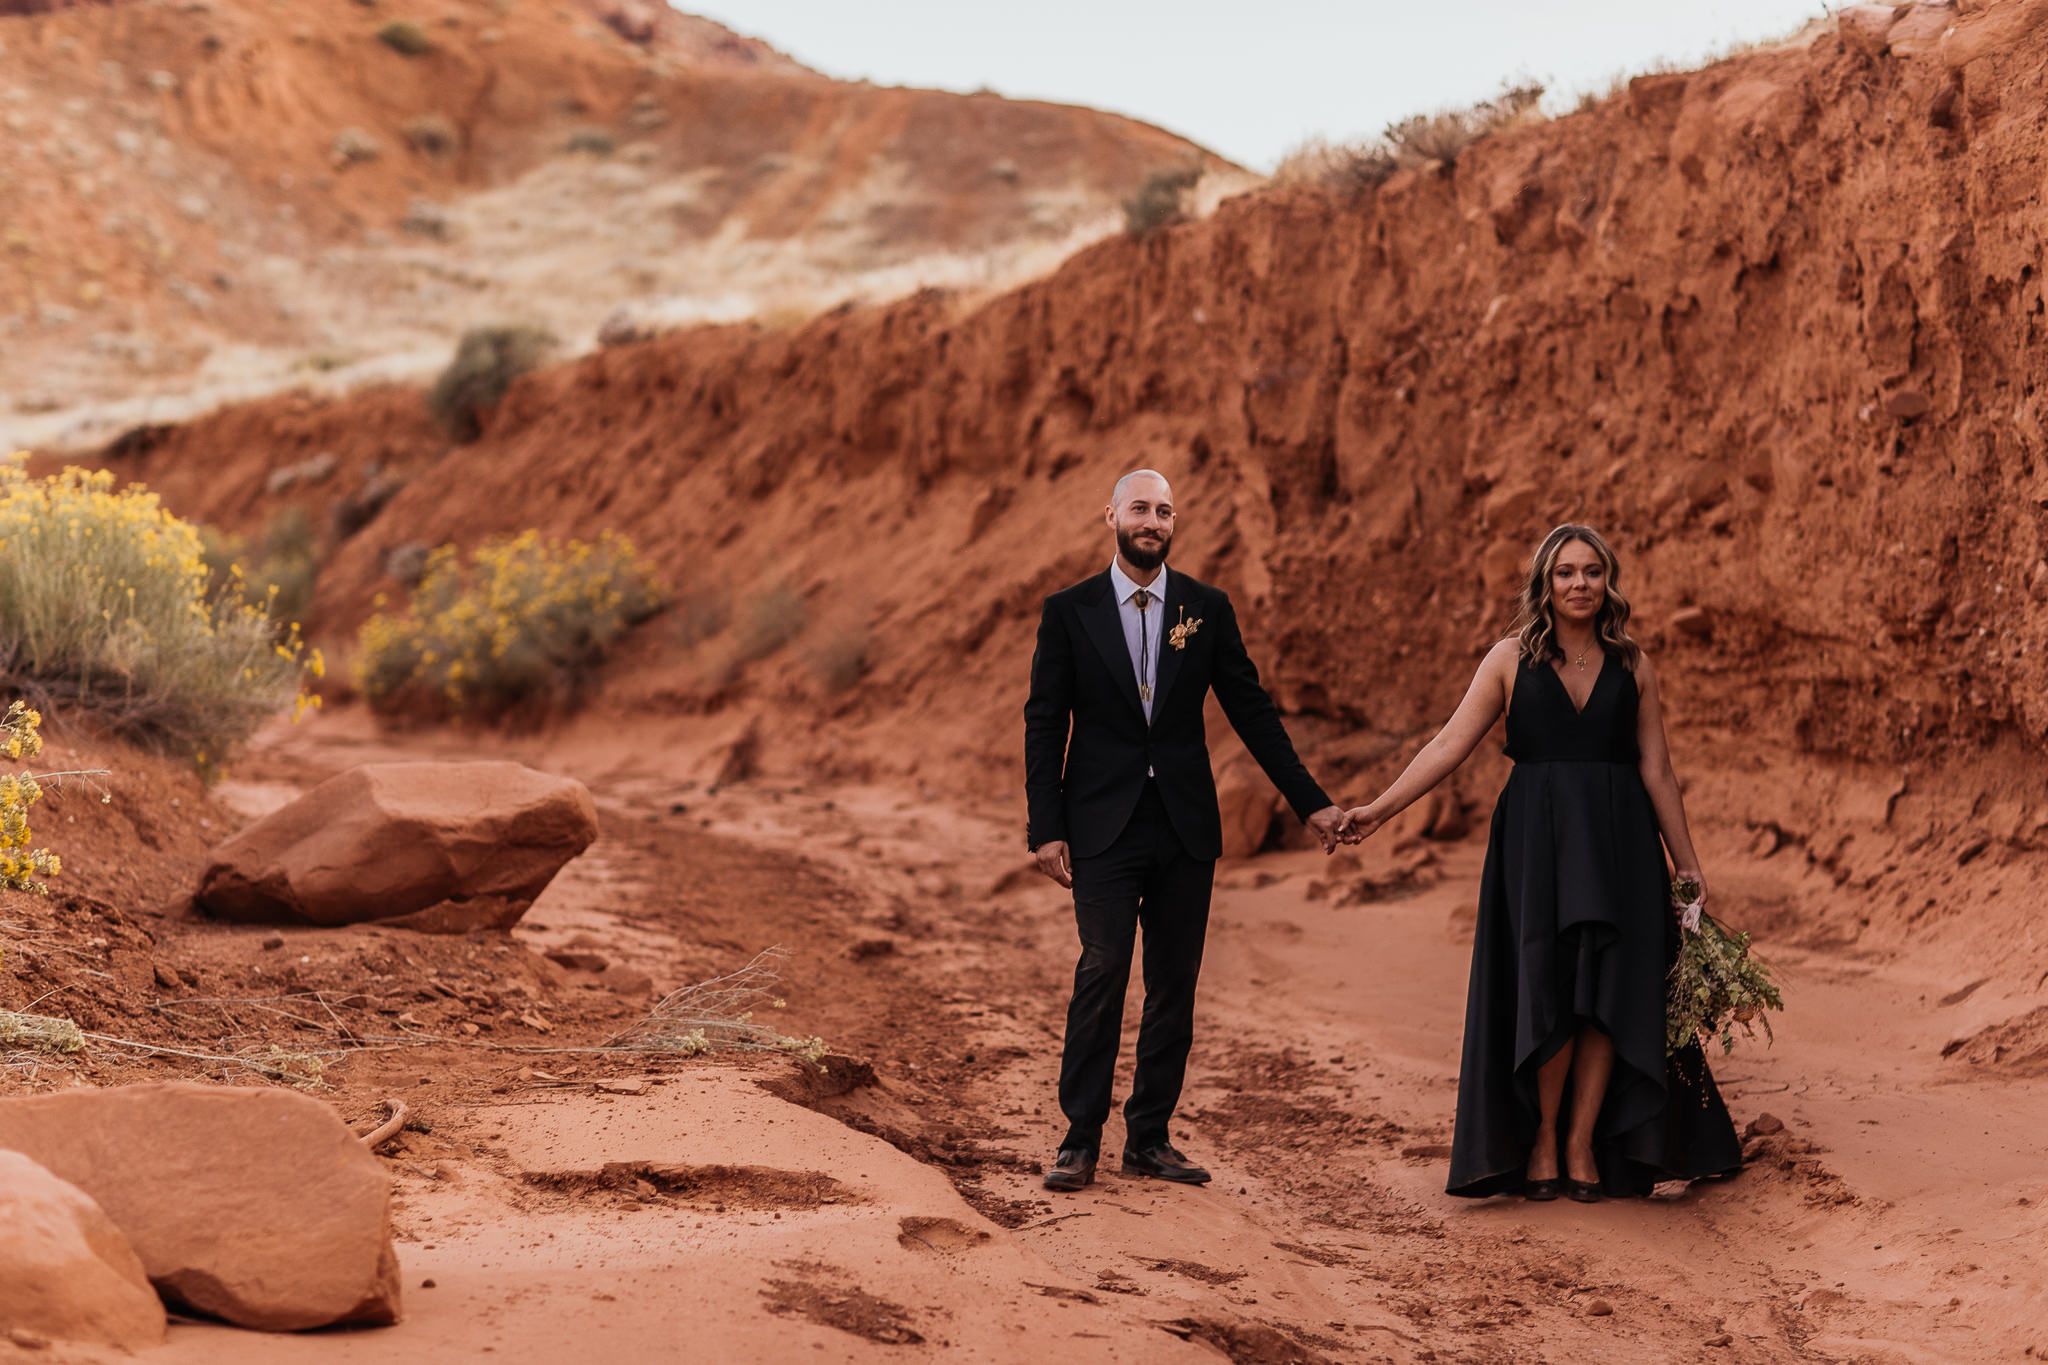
1578,583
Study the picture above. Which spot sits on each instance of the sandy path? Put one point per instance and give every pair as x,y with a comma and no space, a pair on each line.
1898,1216
1908,1226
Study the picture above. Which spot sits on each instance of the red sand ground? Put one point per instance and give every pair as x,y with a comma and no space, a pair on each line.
554,1197
1774,325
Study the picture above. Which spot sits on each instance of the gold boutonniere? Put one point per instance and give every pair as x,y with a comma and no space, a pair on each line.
1178,636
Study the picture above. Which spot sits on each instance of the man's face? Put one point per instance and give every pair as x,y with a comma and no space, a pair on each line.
1143,522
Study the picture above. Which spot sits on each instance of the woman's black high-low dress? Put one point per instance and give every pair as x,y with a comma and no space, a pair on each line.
1575,928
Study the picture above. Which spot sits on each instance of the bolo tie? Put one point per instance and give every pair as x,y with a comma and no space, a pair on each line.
1143,599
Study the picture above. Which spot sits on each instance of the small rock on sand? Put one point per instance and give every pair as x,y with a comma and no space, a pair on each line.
1764,1125
1599,1308
628,981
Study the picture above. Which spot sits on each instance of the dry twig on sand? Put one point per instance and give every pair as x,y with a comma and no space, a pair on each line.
388,1129
718,1013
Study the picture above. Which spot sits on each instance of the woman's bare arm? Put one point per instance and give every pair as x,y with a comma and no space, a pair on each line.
1485,701
1659,779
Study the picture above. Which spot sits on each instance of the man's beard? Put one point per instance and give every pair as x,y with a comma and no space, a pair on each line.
1140,557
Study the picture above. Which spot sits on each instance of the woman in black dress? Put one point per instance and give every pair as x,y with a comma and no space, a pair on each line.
1575,931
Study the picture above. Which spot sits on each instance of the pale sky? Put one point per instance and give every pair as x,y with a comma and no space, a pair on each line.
1252,80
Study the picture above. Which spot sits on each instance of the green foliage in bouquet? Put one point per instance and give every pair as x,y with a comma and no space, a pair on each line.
1716,987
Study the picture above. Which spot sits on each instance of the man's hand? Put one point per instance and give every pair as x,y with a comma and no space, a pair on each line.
1054,863
1328,824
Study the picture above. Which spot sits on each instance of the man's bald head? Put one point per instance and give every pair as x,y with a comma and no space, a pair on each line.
1140,512
1151,481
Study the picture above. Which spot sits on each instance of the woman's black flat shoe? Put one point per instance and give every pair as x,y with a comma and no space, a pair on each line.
1542,1190
1585,1191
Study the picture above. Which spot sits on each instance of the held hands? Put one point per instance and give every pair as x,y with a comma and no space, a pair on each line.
1361,823
1329,825
1054,862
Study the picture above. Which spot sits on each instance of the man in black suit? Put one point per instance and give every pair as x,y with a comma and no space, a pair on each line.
1123,811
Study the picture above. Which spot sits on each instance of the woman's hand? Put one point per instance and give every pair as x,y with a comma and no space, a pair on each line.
1689,912
1360,823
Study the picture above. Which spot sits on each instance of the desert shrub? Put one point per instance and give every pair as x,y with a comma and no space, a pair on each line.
521,624
594,141
839,660
104,608
21,866
487,360
351,145
1440,137
1160,200
1345,168
405,37
277,572
700,613
431,135
770,621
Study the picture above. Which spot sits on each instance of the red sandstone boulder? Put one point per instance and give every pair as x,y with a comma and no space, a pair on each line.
259,1207
1920,28
1247,802
1866,28
445,847
66,1272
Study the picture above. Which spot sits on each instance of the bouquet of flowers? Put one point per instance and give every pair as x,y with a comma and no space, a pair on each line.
1715,984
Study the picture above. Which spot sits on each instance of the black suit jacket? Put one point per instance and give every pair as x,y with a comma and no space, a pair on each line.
1086,742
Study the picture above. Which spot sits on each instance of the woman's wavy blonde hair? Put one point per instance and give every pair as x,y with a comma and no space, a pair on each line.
1536,626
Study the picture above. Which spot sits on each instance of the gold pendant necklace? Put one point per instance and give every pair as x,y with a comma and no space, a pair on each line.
1582,661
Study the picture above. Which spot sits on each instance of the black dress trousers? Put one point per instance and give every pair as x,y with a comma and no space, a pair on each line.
1145,877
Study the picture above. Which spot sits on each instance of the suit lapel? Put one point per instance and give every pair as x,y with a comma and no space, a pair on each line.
1169,657
1106,628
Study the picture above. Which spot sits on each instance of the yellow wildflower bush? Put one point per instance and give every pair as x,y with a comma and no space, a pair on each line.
104,607
278,571
21,867
521,623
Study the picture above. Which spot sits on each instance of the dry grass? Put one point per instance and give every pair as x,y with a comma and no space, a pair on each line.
1346,168
39,1032
1438,139
1161,199
719,1013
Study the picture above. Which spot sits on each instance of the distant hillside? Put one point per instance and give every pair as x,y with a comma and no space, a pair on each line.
216,200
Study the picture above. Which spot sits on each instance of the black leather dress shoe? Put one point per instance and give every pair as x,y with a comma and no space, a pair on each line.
1073,1169
1163,1163
1542,1190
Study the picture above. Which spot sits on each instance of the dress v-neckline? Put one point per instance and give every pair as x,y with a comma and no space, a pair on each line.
1598,674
